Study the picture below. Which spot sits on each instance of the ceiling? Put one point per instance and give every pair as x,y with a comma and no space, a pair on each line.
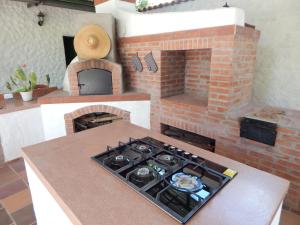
83,5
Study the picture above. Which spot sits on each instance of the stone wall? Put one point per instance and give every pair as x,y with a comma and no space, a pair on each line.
41,48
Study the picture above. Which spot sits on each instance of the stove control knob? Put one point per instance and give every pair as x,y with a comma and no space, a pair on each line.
179,152
172,148
166,146
194,158
187,155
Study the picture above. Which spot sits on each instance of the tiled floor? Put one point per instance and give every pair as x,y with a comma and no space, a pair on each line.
15,200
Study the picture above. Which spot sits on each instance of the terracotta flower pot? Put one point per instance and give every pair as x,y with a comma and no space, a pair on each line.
40,90
1,101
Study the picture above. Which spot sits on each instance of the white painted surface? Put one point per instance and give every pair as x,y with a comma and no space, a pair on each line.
54,123
47,210
276,219
133,23
277,80
19,129
23,41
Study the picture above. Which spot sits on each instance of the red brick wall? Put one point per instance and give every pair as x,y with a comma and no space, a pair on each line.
282,160
172,73
197,71
232,53
98,2
226,88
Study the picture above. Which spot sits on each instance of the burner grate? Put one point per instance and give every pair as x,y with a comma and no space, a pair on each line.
148,166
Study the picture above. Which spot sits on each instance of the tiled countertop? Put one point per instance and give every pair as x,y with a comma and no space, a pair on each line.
14,105
283,117
88,194
59,96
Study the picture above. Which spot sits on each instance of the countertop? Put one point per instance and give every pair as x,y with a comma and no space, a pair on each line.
90,195
60,96
14,105
287,118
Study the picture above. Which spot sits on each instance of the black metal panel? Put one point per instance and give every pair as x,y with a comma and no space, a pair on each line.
95,82
257,130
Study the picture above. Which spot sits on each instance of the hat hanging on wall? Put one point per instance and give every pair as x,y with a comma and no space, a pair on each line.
92,42
137,63
150,61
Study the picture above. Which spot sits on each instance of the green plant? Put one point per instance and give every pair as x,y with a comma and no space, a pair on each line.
19,82
141,4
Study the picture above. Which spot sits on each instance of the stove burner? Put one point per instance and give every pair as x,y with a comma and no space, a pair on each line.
117,162
144,148
166,157
142,176
170,160
186,182
119,158
144,171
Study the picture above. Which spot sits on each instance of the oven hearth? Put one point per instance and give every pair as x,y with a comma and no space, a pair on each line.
93,120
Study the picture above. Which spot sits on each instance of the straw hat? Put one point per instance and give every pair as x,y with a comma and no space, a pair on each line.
92,42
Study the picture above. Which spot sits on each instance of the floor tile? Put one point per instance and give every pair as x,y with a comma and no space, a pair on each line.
7,175
24,216
4,218
17,201
289,218
17,164
23,175
12,188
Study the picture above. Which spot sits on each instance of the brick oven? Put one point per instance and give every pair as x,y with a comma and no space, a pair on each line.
95,77
204,86
92,116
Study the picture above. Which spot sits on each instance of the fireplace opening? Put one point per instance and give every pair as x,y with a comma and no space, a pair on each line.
95,82
186,75
189,137
92,120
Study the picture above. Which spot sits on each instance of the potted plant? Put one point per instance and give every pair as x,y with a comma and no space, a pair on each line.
1,100
24,84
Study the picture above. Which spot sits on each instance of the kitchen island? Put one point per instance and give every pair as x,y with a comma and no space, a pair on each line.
68,187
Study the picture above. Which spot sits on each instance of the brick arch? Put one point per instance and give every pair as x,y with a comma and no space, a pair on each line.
114,68
69,117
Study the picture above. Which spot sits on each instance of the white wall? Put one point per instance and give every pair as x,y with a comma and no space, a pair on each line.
277,77
46,208
54,122
133,23
22,41
19,129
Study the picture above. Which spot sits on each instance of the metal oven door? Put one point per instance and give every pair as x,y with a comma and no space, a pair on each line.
95,82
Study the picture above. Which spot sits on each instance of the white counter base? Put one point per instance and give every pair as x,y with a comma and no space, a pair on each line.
49,212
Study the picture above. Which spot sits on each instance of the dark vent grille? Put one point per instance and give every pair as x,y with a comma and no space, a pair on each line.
257,130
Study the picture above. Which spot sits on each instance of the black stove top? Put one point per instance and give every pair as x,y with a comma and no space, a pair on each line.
178,182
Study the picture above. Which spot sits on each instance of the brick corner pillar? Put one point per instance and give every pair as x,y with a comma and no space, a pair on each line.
232,69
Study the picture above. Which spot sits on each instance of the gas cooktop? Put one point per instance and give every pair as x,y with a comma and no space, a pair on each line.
175,180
